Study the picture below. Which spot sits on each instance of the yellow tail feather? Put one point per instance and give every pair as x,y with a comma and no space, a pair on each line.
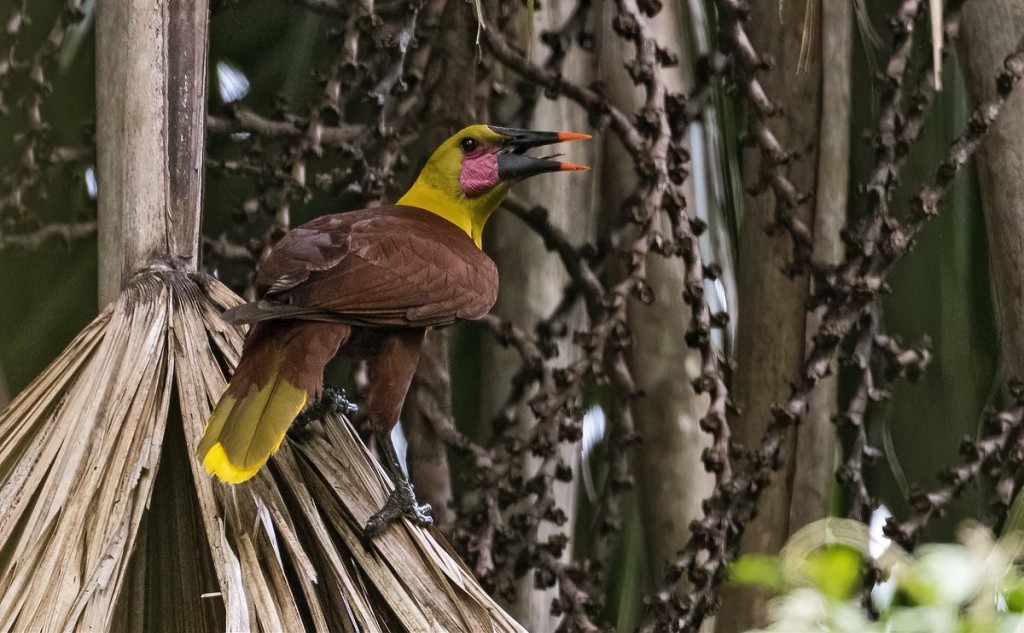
218,463
241,435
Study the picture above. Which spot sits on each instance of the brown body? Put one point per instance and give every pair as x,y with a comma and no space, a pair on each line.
365,284
375,279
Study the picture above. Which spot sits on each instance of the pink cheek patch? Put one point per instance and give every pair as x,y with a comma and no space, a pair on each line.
479,173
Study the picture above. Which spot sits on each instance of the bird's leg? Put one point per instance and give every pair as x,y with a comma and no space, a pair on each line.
390,368
402,501
332,400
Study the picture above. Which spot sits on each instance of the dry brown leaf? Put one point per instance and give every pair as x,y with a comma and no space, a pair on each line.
111,523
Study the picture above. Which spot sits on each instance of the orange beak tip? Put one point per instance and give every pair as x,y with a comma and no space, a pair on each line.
572,136
573,167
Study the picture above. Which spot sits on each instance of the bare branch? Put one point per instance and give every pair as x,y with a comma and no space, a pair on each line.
32,240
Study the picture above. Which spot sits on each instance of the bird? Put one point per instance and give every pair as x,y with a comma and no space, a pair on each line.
367,285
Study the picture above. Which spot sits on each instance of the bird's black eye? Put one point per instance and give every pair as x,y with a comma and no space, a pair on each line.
469,144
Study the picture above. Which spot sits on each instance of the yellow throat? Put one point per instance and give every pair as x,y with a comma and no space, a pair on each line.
438,190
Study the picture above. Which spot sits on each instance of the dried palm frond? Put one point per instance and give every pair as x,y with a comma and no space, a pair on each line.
110,523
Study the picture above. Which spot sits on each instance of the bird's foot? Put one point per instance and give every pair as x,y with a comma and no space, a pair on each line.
402,502
332,400
335,400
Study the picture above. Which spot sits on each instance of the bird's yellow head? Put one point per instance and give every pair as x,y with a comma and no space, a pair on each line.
469,175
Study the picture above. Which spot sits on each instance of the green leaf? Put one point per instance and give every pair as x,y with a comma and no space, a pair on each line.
835,571
758,570
1014,596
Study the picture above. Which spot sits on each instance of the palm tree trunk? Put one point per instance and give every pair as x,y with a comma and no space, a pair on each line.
816,436
991,31
672,478
151,65
532,284
771,326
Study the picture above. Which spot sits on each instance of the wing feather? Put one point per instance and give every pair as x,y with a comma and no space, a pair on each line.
388,266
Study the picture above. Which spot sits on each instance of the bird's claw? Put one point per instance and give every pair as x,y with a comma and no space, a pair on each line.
332,400
335,400
401,502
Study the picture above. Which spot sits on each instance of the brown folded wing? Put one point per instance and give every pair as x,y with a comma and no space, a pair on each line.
388,266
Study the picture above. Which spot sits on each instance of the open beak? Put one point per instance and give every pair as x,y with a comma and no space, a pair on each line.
514,164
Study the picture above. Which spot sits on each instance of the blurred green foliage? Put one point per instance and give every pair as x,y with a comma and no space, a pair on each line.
973,586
